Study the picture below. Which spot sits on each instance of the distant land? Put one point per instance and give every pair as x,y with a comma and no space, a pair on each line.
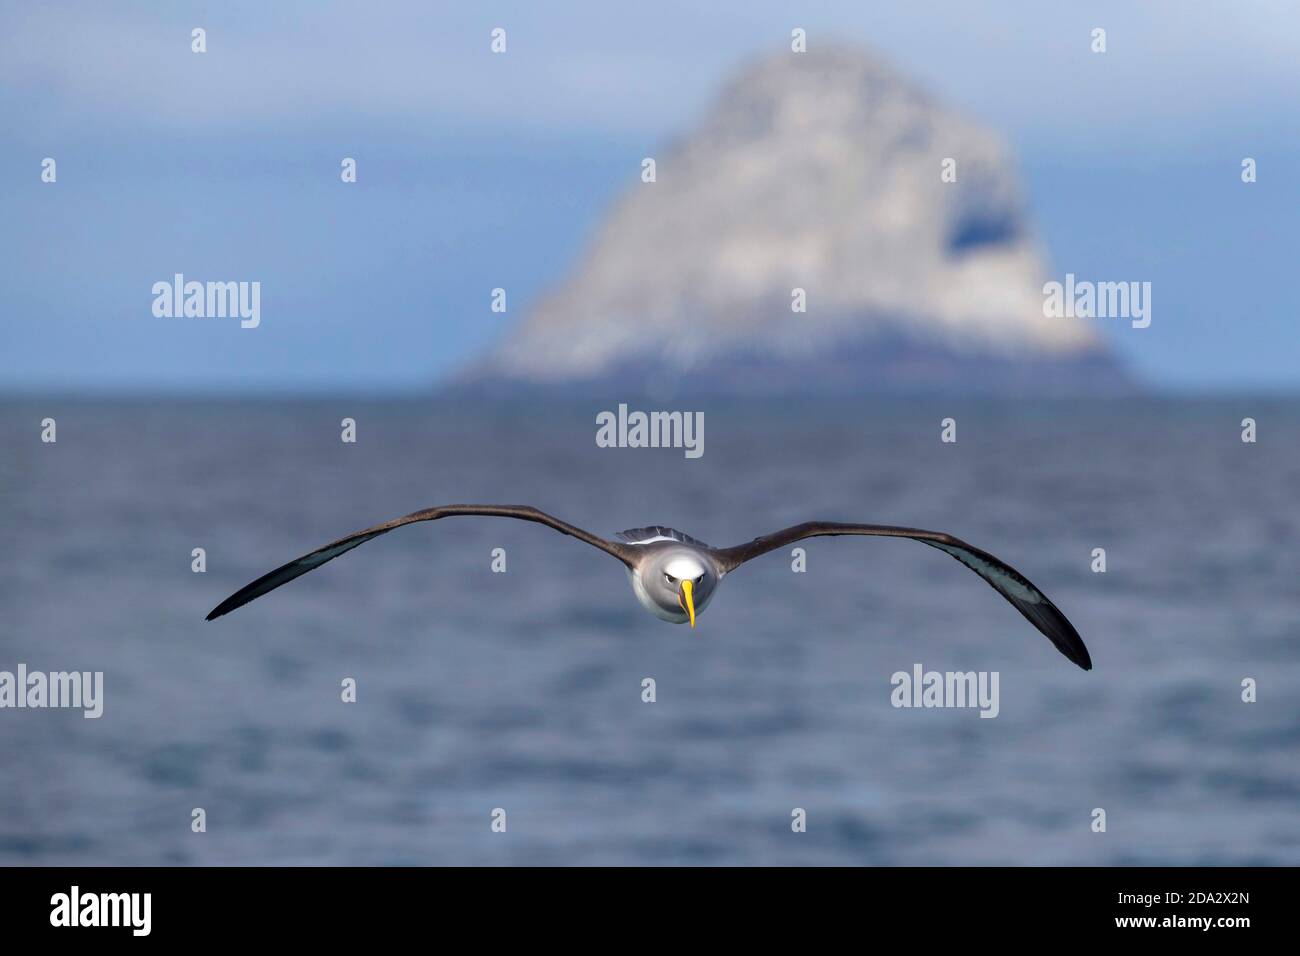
818,172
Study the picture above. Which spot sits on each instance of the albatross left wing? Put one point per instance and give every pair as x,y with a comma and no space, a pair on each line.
1006,580
308,562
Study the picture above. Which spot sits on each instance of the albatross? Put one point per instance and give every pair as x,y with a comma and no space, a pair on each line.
674,576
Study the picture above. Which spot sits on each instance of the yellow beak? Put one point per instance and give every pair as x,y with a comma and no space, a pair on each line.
687,588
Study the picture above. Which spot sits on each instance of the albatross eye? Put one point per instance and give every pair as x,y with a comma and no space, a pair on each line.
669,578
699,580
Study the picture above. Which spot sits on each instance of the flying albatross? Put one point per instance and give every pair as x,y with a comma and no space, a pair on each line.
674,575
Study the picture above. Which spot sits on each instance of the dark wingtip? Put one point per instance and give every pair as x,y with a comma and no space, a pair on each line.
222,609
1047,617
1073,645
1077,651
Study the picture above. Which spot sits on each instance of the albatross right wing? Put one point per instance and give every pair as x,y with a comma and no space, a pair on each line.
309,562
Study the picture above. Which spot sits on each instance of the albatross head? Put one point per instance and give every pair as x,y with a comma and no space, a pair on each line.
675,584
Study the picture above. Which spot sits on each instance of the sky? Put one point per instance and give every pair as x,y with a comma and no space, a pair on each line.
478,171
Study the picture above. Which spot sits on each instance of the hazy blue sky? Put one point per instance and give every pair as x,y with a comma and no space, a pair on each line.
478,171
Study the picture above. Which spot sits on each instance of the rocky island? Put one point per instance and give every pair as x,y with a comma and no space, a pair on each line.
827,227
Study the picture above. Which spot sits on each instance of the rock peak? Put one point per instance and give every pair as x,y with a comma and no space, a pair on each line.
818,172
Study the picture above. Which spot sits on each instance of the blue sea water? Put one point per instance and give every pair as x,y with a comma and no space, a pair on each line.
523,690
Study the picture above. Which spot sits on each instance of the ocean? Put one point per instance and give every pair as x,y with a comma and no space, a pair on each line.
518,696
